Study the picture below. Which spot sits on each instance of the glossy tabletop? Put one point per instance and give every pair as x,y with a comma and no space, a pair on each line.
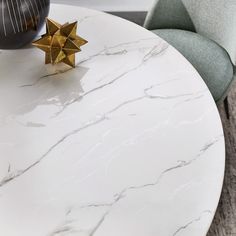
129,143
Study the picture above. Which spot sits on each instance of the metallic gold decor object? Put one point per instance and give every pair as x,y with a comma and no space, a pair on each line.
60,43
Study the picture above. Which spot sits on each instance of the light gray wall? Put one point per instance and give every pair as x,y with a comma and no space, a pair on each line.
111,5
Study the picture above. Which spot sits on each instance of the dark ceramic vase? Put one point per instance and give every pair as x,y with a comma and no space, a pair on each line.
20,21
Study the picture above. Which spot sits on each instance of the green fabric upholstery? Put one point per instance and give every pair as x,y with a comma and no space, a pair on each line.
169,14
214,19
209,59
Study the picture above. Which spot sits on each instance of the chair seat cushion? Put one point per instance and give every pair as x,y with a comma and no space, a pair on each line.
210,60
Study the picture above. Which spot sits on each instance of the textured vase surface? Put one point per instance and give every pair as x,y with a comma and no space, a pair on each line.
20,21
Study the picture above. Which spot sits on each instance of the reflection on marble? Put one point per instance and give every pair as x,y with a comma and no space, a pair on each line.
127,143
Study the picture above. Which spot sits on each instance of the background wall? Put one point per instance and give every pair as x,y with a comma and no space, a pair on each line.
111,5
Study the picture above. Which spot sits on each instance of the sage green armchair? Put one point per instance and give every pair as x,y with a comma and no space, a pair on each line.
204,31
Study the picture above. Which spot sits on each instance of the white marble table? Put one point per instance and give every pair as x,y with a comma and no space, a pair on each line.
129,143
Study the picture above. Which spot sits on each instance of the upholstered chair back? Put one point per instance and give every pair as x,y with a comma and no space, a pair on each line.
214,19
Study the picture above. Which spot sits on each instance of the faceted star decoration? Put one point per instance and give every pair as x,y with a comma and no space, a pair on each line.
60,43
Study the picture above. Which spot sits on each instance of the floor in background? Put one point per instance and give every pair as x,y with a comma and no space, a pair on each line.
136,17
224,223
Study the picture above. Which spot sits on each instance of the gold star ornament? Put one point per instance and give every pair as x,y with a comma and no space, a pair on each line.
60,43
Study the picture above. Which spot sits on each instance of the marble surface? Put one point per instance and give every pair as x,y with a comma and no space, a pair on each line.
128,143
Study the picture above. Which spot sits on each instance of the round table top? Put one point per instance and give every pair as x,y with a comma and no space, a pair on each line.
128,143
